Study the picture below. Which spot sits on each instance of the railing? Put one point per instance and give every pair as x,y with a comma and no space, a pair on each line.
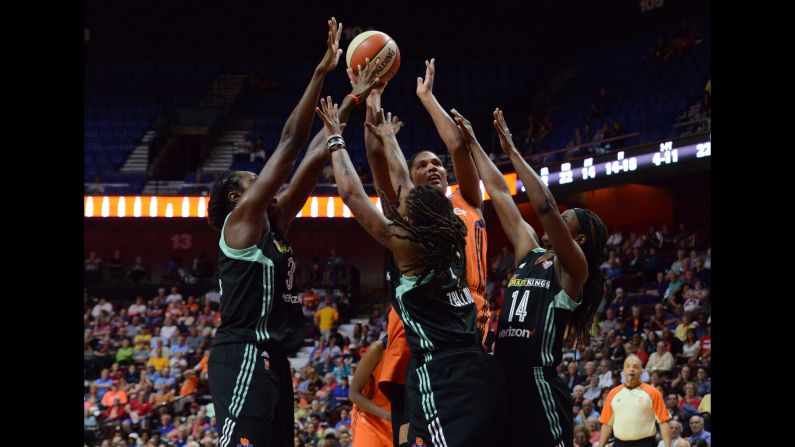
694,123
153,273
502,160
99,188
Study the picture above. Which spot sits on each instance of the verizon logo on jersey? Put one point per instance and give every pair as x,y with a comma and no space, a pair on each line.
292,299
514,332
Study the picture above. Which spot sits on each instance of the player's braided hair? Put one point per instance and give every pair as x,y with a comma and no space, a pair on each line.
433,225
219,205
593,290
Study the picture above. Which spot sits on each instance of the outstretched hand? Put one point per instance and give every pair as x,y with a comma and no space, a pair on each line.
363,81
333,50
385,126
425,86
506,141
464,126
330,115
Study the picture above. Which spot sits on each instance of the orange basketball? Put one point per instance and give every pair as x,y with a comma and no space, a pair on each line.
372,45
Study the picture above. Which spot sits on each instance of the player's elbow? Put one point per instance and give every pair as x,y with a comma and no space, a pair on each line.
456,145
286,154
352,198
288,138
346,194
355,397
498,188
546,206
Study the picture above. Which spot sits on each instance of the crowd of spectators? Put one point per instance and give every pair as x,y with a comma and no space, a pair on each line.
145,364
145,361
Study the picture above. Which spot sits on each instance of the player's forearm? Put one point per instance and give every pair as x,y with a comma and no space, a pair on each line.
373,104
510,218
306,176
317,147
464,167
492,178
295,132
349,185
367,405
398,168
363,375
346,108
372,143
445,125
374,149
537,192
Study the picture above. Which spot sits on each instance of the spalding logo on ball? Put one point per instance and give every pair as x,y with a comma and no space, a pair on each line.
372,45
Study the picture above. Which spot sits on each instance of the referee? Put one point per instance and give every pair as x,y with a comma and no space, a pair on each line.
631,409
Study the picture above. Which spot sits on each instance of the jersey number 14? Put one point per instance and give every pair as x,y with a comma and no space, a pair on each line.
520,311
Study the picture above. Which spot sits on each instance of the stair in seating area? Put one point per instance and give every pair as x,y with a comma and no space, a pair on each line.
221,155
301,358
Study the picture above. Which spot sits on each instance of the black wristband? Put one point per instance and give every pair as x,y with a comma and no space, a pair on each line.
335,142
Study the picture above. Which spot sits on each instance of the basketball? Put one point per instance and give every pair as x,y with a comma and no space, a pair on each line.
372,45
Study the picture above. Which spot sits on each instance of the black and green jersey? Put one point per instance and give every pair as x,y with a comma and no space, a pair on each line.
534,315
437,321
257,300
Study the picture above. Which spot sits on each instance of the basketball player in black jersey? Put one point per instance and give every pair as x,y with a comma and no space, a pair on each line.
425,167
261,317
550,293
455,388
